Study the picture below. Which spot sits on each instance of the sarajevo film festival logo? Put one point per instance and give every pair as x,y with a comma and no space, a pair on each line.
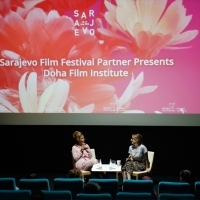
84,22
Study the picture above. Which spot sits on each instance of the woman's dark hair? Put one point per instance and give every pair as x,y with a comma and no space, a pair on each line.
188,176
74,173
91,188
37,195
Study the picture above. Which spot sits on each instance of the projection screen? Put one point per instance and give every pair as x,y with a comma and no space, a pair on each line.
100,62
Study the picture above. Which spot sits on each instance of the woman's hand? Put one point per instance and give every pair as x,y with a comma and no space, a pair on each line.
86,146
148,169
129,158
82,148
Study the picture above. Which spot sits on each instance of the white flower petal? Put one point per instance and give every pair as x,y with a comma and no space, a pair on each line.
73,52
30,4
70,107
184,37
87,109
60,95
170,18
175,48
111,19
124,10
23,94
147,89
126,96
44,98
7,104
10,55
139,80
111,34
110,6
4,109
54,97
184,21
74,108
52,15
36,19
157,112
32,92
150,12
134,89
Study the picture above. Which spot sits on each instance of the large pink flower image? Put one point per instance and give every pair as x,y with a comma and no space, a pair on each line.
48,95
148,26
39,35
7,5
33,34
65,5
35,96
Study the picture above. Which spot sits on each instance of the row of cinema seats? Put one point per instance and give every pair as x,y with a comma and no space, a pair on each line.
66,195
72,188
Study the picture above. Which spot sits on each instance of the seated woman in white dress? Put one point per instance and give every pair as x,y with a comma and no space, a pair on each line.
138,157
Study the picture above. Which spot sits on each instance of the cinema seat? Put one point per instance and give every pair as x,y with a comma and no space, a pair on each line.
15,194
